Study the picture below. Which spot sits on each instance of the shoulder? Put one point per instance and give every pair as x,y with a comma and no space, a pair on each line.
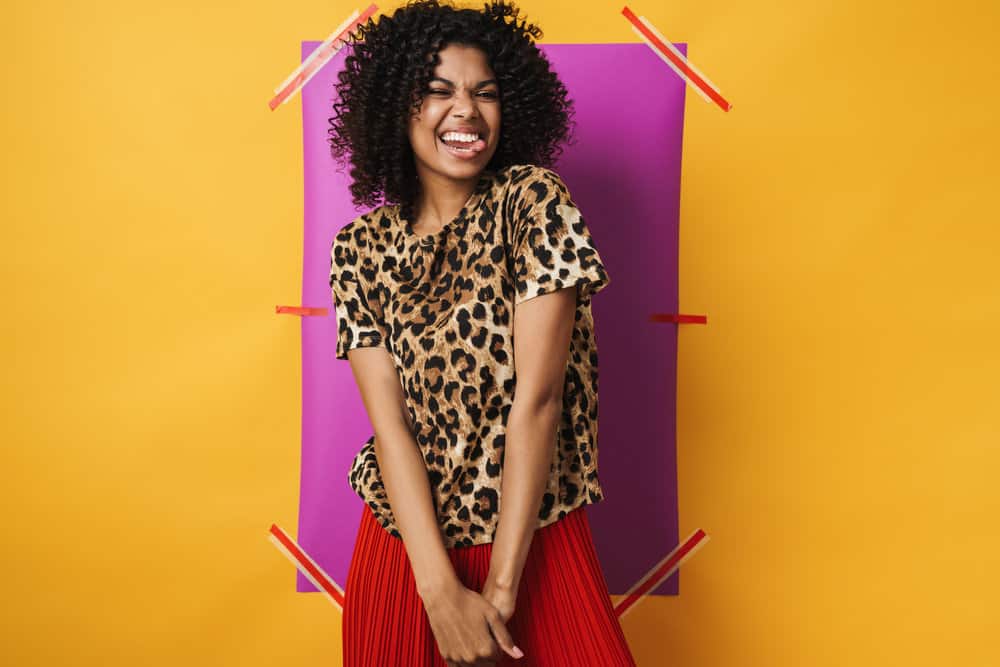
527,174
530,187
352,245
530,182
357,234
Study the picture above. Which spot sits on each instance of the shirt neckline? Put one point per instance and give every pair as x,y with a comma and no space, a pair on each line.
431,240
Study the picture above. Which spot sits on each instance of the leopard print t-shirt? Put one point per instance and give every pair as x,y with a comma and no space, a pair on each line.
442,305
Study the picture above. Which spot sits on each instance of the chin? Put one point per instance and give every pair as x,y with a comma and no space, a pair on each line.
465,169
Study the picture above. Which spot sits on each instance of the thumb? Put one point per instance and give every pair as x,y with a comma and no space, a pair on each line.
503,638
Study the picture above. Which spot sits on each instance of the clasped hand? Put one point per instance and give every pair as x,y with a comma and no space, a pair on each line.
469,627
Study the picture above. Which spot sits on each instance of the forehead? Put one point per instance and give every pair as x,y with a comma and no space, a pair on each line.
462,62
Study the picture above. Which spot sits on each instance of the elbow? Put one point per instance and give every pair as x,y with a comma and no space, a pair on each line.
539,405
392,430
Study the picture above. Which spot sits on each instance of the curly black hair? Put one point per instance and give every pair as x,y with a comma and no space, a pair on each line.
386,74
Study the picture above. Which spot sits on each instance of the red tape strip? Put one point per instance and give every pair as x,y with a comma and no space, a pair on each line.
661,571
677,61
299,310
678,318
307,566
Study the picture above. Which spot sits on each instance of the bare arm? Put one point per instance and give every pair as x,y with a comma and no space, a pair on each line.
543,326
465,625
403,472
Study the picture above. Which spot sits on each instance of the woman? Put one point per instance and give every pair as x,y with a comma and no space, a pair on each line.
476,279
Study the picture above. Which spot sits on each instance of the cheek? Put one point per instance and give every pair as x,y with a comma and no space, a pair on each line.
427,121
419,128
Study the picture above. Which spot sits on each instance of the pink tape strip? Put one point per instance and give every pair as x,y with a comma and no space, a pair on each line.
319,57
307,566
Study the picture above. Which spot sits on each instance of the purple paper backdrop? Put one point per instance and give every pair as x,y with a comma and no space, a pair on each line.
624,173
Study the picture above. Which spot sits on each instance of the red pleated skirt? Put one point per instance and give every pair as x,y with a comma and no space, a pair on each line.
563,618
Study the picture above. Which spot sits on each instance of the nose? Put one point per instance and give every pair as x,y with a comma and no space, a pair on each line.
467,103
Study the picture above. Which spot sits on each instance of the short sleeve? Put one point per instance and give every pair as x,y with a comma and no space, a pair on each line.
359,318
553,247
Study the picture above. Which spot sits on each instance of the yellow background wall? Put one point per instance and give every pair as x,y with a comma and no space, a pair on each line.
837,416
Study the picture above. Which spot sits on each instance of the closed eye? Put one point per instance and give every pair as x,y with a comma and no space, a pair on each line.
440,91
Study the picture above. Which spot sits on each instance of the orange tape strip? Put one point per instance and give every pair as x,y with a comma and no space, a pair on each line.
319,57
299,310
675,59
307,566
678,318
661,571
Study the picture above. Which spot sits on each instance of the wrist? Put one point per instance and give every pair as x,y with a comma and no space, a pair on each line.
437,584
503,581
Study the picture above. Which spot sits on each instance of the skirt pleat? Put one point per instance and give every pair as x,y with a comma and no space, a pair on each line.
563,617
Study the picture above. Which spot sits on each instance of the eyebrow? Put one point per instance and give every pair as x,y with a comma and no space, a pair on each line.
479,85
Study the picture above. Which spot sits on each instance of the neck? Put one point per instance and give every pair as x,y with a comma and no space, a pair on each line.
440,199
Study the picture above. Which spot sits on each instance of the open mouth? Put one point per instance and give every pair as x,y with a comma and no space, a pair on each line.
461,142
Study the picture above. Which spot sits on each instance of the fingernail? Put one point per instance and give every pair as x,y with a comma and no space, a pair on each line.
518,653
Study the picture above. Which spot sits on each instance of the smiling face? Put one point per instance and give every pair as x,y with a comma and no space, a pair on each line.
463,98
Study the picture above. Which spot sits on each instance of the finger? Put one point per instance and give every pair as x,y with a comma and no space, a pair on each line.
490,661
495,651
502,636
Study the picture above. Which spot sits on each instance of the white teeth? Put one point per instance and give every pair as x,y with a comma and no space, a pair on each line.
459,136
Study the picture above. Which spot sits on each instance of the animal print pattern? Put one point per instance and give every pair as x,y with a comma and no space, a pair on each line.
442,306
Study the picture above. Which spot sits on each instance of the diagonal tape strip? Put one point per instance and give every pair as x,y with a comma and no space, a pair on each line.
680,56
307,566
320,56
669,54
661,571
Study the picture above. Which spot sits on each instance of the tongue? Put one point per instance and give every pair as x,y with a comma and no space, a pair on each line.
477,145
